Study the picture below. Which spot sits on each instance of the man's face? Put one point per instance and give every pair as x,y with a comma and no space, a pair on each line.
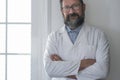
73,12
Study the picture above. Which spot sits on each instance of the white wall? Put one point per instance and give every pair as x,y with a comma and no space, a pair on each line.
40,30
104,14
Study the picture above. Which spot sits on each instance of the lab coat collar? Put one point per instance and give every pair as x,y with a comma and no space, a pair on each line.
63,29
75,30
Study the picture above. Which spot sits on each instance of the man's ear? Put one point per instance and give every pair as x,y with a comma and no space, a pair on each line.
62,13
84,7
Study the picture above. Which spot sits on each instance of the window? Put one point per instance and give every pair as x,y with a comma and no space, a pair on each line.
15,39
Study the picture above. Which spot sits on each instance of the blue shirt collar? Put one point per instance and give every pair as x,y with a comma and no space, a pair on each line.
75,30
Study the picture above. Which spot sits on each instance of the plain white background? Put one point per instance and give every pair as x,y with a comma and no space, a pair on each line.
47,17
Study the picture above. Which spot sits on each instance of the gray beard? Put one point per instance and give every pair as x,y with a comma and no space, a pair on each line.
73,24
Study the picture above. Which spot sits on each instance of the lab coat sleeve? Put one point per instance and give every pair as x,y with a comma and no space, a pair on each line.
100,69
58,68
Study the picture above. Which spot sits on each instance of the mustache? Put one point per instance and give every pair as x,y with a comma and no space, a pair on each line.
72,15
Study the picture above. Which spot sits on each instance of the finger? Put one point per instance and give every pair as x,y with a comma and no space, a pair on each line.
54,58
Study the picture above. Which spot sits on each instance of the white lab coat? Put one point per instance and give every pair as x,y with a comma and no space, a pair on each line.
91,43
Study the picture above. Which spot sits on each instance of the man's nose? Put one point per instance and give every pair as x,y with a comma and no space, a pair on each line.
71,10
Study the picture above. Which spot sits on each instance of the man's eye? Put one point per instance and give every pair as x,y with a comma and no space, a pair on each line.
76,5
67,7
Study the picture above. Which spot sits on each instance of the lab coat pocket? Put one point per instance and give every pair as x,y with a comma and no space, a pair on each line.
87,51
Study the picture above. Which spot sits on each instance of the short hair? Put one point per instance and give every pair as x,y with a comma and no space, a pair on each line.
81,1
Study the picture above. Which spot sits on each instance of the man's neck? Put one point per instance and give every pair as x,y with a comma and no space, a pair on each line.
73,27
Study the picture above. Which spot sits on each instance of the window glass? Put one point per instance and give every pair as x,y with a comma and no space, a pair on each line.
2,67
18,67
19,38
19,10
2,38
2,10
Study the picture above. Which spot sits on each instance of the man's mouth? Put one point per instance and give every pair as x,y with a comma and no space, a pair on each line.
73,17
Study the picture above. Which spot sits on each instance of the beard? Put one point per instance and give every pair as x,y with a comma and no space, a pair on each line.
74,23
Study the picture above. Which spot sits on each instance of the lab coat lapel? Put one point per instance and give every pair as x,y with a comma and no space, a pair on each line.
80,35
66,37
66,45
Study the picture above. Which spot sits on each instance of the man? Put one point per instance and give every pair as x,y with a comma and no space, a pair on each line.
76,51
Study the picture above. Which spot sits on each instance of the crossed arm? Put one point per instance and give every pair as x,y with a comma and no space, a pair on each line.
84,63
90,68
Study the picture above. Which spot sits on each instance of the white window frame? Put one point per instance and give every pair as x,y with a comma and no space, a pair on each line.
6,23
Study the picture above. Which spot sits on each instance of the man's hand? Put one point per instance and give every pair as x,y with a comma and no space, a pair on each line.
72,77
86,63
55,57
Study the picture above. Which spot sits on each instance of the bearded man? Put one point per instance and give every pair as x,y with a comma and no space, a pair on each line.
76,51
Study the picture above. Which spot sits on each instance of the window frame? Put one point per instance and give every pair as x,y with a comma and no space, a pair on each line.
6,54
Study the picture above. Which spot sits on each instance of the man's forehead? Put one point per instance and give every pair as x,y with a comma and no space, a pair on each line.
70,2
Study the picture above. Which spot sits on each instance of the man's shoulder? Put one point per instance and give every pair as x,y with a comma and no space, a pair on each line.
57,32
92,28
95,31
